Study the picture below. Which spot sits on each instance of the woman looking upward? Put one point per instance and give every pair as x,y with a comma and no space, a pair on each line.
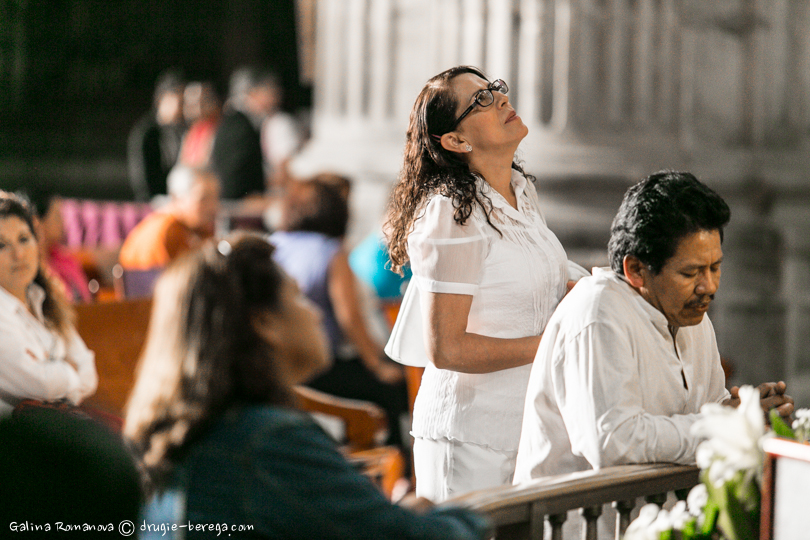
488,273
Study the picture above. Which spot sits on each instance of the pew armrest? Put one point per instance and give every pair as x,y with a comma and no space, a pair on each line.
366,424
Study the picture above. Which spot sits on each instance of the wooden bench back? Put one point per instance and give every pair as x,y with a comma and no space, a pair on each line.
115,332
523,512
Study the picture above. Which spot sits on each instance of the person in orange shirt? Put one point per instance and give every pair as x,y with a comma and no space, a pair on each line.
180,226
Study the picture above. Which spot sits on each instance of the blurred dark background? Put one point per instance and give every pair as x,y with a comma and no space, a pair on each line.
75,75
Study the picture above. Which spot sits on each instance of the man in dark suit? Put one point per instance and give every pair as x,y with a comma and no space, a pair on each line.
237,153
154,142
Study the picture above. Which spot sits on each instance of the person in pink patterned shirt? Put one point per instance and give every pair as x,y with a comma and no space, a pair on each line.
60,261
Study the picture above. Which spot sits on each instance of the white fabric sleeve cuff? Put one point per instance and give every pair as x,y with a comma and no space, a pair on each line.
429,285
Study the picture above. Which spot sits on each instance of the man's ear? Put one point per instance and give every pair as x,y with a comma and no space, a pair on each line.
634,271
453,143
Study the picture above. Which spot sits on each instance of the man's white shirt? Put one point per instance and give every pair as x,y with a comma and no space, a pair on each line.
610,385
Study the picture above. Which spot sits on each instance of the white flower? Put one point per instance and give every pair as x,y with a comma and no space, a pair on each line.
642,527
663,522
732,437
679,515
801,426
697,499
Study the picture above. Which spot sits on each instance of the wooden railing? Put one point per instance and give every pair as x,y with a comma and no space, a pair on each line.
521,512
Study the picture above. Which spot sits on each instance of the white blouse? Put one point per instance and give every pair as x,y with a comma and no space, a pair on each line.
516,279
33,357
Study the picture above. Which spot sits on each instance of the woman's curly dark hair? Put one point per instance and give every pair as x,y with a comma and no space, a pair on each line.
429,169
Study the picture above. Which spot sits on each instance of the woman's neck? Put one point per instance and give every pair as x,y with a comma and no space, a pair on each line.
498,174
21,295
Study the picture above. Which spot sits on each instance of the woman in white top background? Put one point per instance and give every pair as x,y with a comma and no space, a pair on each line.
487,271
41,355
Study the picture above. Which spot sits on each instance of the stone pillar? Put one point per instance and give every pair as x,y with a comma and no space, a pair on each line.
330,71
666,61
561,76
750,313
795,217
530,53
473,37
617,67
380,52
644,66
447,32
355,80
500,39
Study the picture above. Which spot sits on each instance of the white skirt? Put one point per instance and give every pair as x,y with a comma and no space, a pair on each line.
446,468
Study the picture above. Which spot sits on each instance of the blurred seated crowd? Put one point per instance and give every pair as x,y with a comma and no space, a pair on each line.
234,329
251,300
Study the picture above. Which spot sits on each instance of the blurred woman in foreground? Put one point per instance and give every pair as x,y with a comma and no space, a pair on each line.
212,410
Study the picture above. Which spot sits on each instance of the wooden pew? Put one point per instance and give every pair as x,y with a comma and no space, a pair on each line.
520,512
366,428
115,332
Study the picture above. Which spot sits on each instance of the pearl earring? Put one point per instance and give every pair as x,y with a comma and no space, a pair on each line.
468,148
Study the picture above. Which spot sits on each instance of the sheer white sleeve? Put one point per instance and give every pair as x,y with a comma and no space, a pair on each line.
446,257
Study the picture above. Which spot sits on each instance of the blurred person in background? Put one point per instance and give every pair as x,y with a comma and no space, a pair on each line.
237,155
370,262
42,356
309,247
154,142
202,109
180,226
213,417
281,139
50,233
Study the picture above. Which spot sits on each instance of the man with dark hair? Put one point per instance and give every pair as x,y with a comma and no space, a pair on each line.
629,357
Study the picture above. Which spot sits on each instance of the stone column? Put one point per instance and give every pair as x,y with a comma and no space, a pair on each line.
329,97
355,80
561,78
643,63
380,51
530,55
797,290
750,312
473,38
617,66
500,38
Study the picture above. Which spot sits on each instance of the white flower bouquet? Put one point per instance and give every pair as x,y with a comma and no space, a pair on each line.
726,504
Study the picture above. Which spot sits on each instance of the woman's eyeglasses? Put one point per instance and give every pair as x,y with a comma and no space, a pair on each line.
483,98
